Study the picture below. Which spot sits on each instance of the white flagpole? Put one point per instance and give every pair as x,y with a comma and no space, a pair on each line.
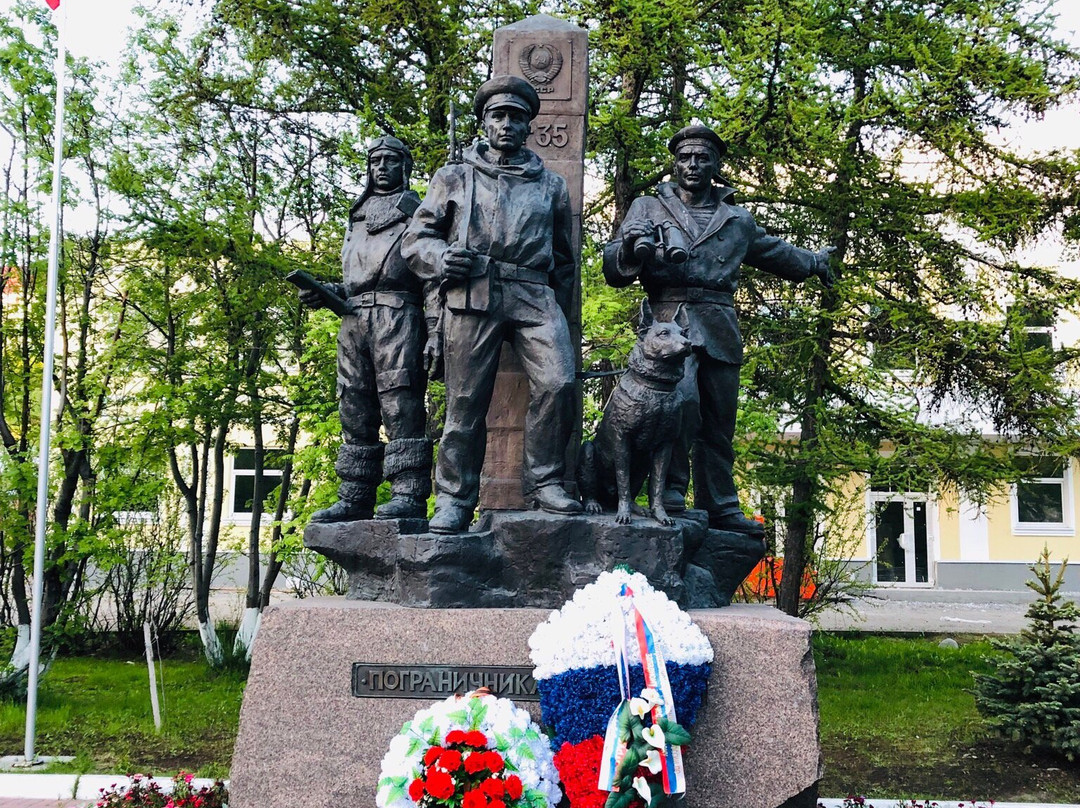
46,395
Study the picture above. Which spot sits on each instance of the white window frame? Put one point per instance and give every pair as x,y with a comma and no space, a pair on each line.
1066,527
245,516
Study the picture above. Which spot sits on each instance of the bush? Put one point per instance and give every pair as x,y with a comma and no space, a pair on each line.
145,792
1033,695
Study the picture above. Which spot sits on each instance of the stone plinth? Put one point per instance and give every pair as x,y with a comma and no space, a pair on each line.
306,742
531,558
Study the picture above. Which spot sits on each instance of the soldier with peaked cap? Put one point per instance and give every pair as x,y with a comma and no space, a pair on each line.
495,233
381,378
720,237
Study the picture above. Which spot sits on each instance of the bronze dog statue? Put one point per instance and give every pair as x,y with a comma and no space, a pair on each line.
640,425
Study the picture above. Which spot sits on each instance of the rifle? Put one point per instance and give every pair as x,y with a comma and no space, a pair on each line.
455,147
303,280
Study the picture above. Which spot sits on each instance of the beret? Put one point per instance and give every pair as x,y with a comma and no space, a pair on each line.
698,133
518,93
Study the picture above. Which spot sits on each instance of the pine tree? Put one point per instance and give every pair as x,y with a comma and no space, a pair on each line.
1033,696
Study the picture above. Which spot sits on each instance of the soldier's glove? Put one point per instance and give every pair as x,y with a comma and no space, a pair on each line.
456,263
312,299
637,233
823,267
433,357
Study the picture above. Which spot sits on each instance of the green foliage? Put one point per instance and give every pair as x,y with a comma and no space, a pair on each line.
632,732
1033,695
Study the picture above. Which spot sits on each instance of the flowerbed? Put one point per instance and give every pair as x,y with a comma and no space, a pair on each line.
145,792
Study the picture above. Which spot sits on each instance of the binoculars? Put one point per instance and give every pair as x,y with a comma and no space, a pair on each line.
666,245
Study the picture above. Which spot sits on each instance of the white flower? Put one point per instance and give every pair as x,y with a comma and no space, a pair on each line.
652,761
641,786
654,736
580,634
639,707
531,757
652,695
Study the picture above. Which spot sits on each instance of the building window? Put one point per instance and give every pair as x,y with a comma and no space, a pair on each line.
1042,500
243,478
1036,327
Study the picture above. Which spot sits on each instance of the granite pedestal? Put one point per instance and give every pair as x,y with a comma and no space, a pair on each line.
306,742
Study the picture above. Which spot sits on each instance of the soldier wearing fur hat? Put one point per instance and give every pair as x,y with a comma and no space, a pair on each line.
686,245
495,233
381,378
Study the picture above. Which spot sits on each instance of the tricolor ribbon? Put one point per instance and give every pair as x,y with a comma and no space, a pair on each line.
655,671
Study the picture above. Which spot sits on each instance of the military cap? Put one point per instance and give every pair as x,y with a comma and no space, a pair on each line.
696,134
388,143
506,91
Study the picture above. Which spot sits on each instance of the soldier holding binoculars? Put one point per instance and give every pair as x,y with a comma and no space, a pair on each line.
686,246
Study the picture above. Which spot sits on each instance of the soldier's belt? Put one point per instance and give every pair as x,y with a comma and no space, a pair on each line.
513,272
395,300
692,294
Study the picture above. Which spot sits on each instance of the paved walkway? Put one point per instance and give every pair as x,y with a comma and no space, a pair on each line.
956,612
16,802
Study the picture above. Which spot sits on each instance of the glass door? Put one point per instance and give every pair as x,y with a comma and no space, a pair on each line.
899,538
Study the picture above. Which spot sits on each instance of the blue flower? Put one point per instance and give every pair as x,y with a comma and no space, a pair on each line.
577,704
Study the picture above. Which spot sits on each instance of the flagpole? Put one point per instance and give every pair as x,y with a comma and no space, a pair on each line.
30,758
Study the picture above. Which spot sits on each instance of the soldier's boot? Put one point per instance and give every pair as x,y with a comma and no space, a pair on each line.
360,470
408,468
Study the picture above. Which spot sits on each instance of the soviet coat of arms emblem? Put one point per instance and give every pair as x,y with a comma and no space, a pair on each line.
540,63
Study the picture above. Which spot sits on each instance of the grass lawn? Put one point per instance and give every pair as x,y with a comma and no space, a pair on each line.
897,721
99,710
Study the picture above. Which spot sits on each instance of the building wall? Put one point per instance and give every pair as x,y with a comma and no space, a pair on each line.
970,546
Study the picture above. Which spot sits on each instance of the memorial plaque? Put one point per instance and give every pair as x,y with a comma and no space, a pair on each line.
371,680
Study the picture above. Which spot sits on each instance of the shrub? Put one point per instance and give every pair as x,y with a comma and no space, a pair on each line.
1033,695
146,792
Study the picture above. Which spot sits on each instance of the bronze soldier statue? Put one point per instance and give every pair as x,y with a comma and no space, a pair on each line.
686,245
381,378
495,233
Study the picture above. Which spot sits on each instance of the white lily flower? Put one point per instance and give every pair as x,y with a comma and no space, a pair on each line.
652,761
654,736
639,707
641,786
652,695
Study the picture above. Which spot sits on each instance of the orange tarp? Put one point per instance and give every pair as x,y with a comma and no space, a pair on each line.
764,579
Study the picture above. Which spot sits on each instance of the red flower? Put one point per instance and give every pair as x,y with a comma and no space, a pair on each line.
474,799
416,790
496,804
513,787
494,761
579,767
450,760
492,788
455,736
476,738
432,754
476,762
440,785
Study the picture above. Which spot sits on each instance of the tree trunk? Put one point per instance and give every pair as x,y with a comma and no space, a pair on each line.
804,502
